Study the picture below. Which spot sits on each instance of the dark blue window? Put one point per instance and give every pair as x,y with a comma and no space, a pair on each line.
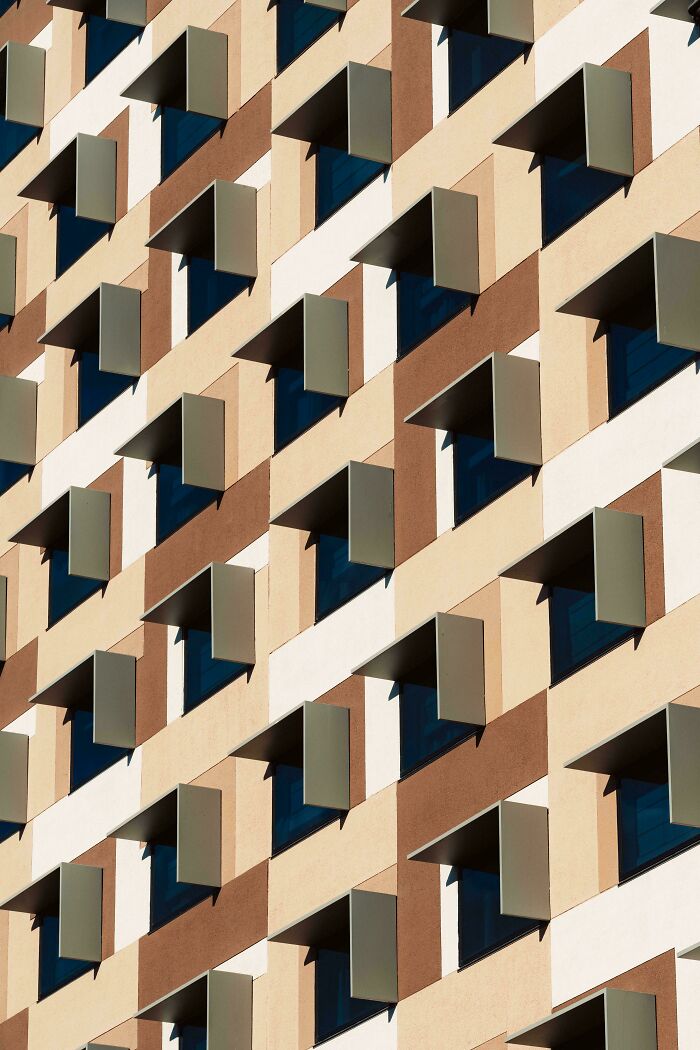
88,759
480,477
423,734
11,473
204,673
75,236
66,592
339,176
482,928
209,290
474,60
337,578
97,389
7,830
193,1037
181,133
638,362
335,1010
5,320
570,189
177,503
5,5
55,972
13,139
291,819
170,898
575,636
298,25
105,40
297,409
423,307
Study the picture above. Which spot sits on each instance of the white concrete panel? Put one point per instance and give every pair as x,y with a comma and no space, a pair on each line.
379,320
444,481
255,556
175,674
324,655
259,173
170,1037
144,151
36,370
139,510
382,735
252,961
681,521
132,900
536,794
45,37
449,918
530,348
441,73
178,312
26,723
688,1002
674,59
379,1033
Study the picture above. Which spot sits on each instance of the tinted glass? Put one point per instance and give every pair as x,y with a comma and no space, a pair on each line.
105,40
423,734
5,5
192,1037
570,190
97,389
297,409
75,236
298,25
10,474
177,503
480,478
88,759
7,829
423,308
291,819
66,592
169,897
645,831
13,139
474,60
181,133
335,1010
204,674
4,320
575,636
638,362
338,579
482,928
339,176
55,972
208,291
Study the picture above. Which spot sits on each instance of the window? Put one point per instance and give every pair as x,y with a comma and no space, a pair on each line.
339,176
204,674
97,389
576,637
337,578
296,409
181,133
105,40
474,60
637,363
54,971
66,592
177,503
299,24
291,819
424,736
193,1037
479,477
88,759
13,138
5,5
170,898
8,829
209,290
11,473
335,1009
482,927
75,236
570,189
423,307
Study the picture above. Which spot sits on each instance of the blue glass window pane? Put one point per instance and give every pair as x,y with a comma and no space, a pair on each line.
55,972
423,308
4,320
97,389
5,5
575,636
299,25
339,176
482,928
105,40
291,819
11,473
193,1037
208,291
66,592
13,139
177,503
7,830
638,362
181,133
423,734
645,831
297,409
88,759
570,189
204,674
170,898
338,579
480,478
474,60
335,1010
75,236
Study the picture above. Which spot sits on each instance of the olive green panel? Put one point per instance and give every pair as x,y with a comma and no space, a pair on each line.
330,5
233,613
131,12
677,280
583,1018
455,240
96,178
325,340
369,112
3,618
198,835
235,228
608,116
674,9
203,442
207,72
693,952
687,459
371,514
229,1011
630,1020
14,759
18,420
459,647
120,330
88,533
524,860
80,913
516,409
326,756
373,966
618,566
513,19
683,743
8,273
24,83
114,699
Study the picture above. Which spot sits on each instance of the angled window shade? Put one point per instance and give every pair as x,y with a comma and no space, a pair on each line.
220,1001
675,9
22,76
329,5
130,12
78,521
191,74
84,176
14,765
107,322
512,19
687,459
620,1018
18,420
8,267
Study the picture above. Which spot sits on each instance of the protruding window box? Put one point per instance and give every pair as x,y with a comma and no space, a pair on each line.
14,771
300,23
8,278
22,76
612,1019
683,10
214,1011
17,430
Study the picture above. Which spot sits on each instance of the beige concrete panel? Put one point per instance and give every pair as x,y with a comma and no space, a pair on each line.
383,59
41,238
307,998
307,581
45,757
57,407
16,175
222,776
178,14
255,416
307,215
64,75
15,865
524,641
608,871
32,607
283,989
132,645
597,357
517,205
384,882
62,748
486,605
285,571
480,182
258,24
288,158
4,962
22,976
574,858
384,457
253,817
19,505
230,24
123,1035
333,860
226,389
549,12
